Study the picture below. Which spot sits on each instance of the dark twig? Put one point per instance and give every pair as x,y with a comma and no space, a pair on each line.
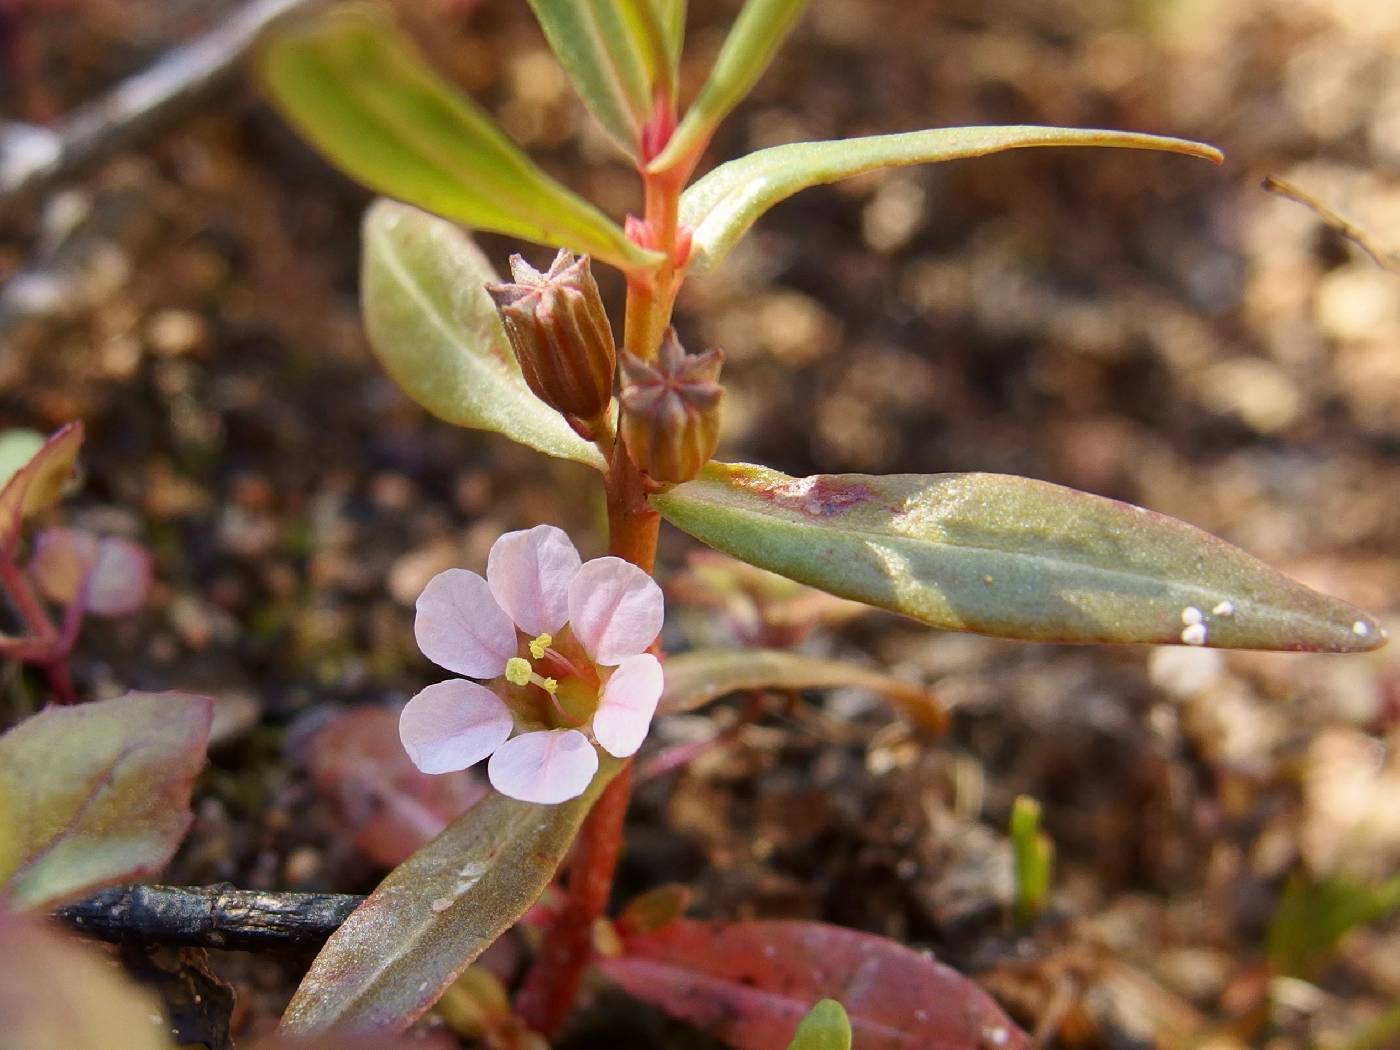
1385,258
211,917
139,105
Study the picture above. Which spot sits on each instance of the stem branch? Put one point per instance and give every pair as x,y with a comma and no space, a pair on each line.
49,646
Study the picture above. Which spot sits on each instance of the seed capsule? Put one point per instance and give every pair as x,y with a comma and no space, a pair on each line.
560,334
670,410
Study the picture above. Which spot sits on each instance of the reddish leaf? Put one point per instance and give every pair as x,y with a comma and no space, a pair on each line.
96,794
340,1041
110,576
751,983
434,914
38,483
357,761
65,994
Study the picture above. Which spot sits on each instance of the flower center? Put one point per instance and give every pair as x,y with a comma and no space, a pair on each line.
519,672
566,676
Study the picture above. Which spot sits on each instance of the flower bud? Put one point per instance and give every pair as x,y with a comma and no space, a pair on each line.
560,334
670,410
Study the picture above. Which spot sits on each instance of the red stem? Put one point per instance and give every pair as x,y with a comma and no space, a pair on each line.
51,646
553,981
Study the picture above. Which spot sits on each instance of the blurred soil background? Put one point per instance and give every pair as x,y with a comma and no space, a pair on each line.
1143,326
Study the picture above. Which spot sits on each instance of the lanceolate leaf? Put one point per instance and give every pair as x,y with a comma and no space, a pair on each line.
610,55
1011,557
423,286
722,206
750,984
361,92
97,794
826,1027
694,679
672,13
437,912
756,34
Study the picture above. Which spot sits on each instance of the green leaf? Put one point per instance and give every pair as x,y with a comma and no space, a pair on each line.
361,92
615,52
36,481
17,447
672,14
826,1027
436,331
436,912
695,678
1313,916
755,35
1034,855
1011,557
97,794
55,992
722,206
1381,1032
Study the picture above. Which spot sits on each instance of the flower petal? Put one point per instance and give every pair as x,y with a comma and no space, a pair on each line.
629,700
119,579
460,627
452,725
615,609
529,573
549,766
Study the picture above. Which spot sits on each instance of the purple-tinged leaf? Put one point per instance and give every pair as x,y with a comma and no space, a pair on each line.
97,794
107,576
435,913
749,984
1011,557
695,678
39,482
357,761
56,992
338,1041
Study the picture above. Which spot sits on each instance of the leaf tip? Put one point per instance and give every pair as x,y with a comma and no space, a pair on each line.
1366,634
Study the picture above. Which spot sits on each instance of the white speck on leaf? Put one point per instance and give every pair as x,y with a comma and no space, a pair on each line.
1194,634
1225,608
1361,628
1192,616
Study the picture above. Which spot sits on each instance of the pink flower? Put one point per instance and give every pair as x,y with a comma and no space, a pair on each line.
563,647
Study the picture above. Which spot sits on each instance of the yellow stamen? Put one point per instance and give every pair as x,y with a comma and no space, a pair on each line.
519,671
539,644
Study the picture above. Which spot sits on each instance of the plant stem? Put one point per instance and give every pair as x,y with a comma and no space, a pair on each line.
553,981
53,645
